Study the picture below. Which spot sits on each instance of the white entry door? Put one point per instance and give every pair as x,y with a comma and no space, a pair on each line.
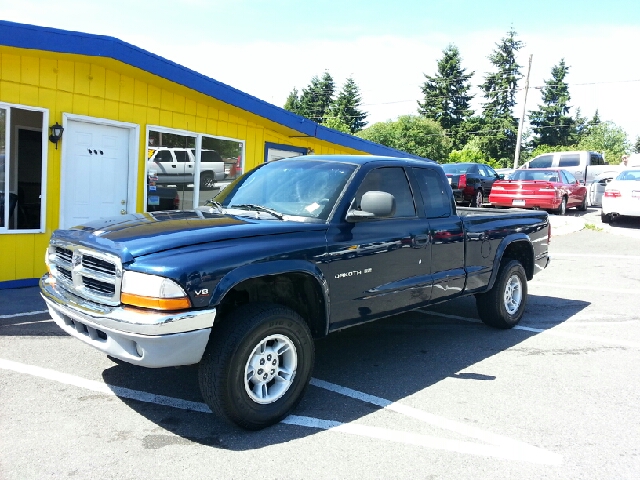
95,178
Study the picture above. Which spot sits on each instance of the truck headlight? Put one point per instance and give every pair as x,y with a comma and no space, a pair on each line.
152,291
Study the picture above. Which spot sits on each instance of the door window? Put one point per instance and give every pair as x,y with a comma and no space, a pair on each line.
21,166
391,180
572,160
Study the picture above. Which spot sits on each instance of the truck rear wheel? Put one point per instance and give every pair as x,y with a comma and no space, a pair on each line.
257,365
503,305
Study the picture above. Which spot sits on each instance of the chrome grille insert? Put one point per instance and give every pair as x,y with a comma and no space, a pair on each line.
85,272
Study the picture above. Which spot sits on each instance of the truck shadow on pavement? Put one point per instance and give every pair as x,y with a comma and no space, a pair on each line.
391,359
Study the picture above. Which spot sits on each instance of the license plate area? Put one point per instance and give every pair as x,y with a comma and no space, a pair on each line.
518,202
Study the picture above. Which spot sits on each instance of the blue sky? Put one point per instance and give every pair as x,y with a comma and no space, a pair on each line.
266,48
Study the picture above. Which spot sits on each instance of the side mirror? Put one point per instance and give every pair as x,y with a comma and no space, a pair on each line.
374,204
501,176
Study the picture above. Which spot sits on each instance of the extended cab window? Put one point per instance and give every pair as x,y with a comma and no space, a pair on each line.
543,161
391,180
436,194
572,160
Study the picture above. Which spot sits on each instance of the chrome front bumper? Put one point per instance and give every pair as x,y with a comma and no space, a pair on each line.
146,338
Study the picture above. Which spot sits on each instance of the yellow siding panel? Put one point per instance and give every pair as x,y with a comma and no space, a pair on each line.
29,70
111,109
166,118
178,103
126,89
154,96
201,110
29,95
46,98
166,102
139,115
96,107
65,75
64,103
81,104
212,113
125,112
241,134
190,121
232,130
223,127
81,82
153,116
8,255
25,256
140,93
223,116
48,73
112,85
190,107
201,124
40,245
179,121
98,79
212,127
10,67
10,92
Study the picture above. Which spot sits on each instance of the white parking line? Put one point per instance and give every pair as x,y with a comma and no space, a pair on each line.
592,256
584,287
573,336
26,323
14,315
498,446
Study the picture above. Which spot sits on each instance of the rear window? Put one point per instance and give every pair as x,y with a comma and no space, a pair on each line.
572,160
543,161
546,175
459,168
629,175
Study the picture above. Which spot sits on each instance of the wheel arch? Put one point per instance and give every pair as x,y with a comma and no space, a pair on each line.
298,285
517,247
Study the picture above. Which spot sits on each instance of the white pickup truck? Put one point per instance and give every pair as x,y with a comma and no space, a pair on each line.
177,166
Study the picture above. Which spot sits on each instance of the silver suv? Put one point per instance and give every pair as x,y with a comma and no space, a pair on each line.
176,166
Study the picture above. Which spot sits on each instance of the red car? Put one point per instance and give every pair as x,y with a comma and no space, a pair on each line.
545,188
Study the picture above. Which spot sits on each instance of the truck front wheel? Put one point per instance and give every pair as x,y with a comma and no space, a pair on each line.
503,305
257,365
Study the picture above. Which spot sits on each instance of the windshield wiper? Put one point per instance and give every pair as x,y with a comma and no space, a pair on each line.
213,203
258,208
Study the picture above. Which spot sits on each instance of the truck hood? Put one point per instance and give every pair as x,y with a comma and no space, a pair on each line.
139,234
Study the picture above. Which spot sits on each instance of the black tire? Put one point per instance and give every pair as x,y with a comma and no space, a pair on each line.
562,209
583,205
503,305
477,199
605,217
207,181
224,371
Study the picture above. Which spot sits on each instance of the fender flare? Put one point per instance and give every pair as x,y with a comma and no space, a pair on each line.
277,267
506,241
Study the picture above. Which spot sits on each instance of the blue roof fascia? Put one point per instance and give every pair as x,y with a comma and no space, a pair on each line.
63,41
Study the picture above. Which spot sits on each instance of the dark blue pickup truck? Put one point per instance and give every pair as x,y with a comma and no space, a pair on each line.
290,251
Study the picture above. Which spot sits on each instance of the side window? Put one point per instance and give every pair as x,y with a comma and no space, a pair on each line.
482,171
490,171
163,156
543,161
391,180
568,177
572,160
596,159
436,194
181,155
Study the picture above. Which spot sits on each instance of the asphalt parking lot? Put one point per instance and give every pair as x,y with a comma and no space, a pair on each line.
428,394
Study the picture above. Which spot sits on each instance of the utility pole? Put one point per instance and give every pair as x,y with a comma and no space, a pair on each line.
524,109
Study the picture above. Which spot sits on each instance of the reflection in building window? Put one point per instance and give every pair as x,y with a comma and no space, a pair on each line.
173,167
21,162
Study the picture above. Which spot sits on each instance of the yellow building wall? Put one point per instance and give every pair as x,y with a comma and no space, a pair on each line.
105,88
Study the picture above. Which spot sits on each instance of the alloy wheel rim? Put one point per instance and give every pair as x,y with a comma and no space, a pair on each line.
513,294
270,369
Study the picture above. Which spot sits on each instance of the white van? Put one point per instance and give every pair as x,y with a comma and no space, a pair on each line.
584,165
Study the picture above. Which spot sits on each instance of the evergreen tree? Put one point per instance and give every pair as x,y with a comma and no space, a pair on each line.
446,95
346,107
552,123
316,99
500,126
292,103
636,146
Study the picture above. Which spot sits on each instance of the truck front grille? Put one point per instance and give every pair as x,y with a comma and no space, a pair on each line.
85,272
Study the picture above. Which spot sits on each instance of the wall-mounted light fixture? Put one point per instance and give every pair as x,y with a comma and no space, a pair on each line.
56,133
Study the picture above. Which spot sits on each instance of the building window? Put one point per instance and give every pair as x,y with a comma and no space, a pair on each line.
22,163
186,169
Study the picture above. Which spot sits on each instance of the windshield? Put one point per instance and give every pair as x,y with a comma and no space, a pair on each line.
301,188
456,167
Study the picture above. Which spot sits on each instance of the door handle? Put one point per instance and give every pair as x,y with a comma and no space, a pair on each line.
421,240
174,166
